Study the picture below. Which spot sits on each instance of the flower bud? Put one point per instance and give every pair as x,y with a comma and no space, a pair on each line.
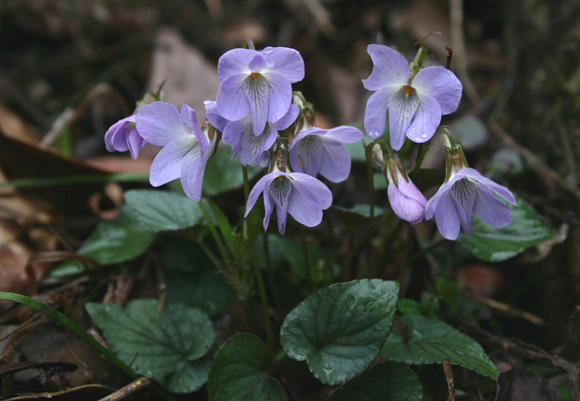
406,200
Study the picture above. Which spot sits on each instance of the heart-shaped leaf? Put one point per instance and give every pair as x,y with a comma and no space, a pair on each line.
238,372
383,382
340,329
497,244
167,346
432,341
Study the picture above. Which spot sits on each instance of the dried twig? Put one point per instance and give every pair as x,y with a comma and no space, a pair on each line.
449,377
129,389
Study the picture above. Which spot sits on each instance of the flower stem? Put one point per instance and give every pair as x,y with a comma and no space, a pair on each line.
270,274
216,237
369,157
259,279
305,252
423,149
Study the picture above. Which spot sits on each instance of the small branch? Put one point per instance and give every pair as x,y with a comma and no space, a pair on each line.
449,378
492,303
129,389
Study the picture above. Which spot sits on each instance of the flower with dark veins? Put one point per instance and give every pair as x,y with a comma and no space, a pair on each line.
259,83
414,104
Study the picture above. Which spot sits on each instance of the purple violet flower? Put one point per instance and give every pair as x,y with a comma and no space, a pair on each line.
240,135
301,195
259,83
464,193
317,150
406,200
186,148
123,136
414,105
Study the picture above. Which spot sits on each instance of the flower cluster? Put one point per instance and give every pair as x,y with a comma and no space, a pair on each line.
412,99
265,122
259,116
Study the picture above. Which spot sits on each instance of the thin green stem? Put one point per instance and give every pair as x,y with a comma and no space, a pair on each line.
270,274
259,279
369,157
216,236
305,252
81,333
423,149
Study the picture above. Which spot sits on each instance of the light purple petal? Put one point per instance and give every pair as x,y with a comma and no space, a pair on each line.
344,134
295,162
231,99
167,164
235,62
234,131
116,135
307,132
268,208
407,201
257,96
402,109
288,119
307,200
376,113
447,218
279,96
495,187
134,142
253,146
280,188
189,120
214,117
335,163
431,206
159,123
440,84
257,63
426,120
285,61
490,209
464,191
390,68
256,191
309,150
192,171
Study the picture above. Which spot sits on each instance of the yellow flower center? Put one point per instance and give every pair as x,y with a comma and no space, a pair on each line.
255,75
408,90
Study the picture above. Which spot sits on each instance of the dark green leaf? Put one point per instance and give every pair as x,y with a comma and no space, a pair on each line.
448,291
432,341
167,346
340,329
111,242
409,306
497,244
238,372
383,382
223,174
356,216
293,254
161,210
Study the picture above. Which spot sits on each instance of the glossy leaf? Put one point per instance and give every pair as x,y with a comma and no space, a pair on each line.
340,329
432,341
167,346
238,372
223,174
383,382
162,211
112,242
497,244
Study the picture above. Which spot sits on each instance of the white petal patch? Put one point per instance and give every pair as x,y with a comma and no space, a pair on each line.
257,90
402,108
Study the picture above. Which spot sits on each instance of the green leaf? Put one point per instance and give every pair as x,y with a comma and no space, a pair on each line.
112,242
223,174
383,382
497,244
448,291
192,279
293,254
162,210
340,329
238,372
166,346
432,341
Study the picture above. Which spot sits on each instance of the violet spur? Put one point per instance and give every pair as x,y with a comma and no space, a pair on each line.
414,104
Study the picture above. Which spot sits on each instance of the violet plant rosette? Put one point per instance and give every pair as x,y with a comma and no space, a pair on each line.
123,136
466,192
259,83
316,150
298,194
186,147
414,104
